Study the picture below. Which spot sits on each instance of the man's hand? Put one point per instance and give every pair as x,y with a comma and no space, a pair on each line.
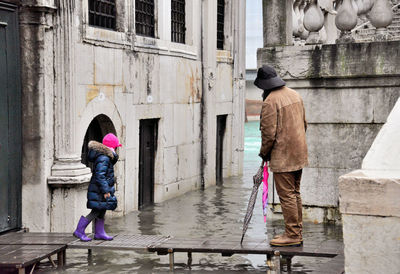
265,158
107,195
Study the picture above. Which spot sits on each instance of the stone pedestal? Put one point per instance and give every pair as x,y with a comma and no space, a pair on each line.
69,182
370,205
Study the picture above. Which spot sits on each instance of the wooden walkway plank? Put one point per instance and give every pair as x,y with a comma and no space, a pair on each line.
20,256
122,242
36,238
234,247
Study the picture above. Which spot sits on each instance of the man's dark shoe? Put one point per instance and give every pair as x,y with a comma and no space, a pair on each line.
286,241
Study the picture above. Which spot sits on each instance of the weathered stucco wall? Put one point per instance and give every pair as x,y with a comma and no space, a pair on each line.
86,71
348,91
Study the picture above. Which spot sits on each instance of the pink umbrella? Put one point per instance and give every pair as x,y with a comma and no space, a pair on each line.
257,179
265,191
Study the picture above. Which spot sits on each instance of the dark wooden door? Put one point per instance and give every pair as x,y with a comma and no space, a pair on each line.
10,120
221,125
147,154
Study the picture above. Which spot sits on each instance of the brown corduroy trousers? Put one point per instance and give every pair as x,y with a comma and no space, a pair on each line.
288,189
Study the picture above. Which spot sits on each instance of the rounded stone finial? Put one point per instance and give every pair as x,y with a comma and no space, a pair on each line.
313,17
381,14
313,22
363,6
346,20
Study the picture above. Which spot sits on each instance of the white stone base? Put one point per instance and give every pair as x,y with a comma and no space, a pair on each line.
372,244
316,215
67,206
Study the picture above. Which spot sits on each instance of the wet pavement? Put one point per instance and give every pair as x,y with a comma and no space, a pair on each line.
217,211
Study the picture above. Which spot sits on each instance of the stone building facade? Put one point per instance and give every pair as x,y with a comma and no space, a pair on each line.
177,106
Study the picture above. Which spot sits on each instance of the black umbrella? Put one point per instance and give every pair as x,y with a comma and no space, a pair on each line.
257,179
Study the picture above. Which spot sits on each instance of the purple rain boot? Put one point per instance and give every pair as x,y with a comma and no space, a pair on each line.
100,234
80,230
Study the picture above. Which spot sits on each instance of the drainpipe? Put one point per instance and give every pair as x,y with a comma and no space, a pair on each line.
202,108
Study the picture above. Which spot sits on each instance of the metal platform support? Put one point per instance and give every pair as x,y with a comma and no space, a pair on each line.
171,259
61,258
190,259
274,263
288,263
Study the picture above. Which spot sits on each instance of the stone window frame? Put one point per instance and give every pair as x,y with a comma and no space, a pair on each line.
179,22
117,38
219,22
225,55
100,18
155,16
161,43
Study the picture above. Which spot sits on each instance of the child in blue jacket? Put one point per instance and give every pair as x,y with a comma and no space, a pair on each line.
100,196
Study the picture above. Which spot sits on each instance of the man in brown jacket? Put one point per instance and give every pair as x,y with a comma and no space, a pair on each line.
283,132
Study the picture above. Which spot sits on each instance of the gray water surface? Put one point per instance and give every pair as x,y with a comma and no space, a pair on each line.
215,212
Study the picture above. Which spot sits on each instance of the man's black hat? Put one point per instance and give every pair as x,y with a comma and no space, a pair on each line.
268,79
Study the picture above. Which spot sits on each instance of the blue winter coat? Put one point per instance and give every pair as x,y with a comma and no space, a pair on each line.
102,180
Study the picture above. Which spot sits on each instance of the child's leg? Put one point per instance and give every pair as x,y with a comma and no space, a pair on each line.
101,215
95,213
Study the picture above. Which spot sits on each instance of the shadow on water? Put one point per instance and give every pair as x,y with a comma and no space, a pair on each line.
215,212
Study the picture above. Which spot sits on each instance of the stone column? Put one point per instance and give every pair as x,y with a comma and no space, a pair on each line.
67,168
37,101
239,69
208,115
68,175
277,22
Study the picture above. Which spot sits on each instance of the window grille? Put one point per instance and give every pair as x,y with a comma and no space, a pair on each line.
102,13
220,23
178,21
144,17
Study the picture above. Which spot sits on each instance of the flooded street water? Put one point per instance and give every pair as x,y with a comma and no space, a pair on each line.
215,212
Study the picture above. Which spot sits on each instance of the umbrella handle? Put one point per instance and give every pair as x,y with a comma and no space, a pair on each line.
262,163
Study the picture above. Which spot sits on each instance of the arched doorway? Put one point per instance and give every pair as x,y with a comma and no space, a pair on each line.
98,128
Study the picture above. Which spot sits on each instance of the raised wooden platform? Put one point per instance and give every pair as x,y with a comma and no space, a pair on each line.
30,248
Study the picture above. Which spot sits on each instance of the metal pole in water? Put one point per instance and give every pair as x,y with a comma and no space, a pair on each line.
171,259
277,262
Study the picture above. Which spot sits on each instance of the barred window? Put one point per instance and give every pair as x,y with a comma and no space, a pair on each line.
102,13
178,21
220,23
144,16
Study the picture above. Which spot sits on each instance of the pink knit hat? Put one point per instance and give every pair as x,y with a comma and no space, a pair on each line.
111,141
